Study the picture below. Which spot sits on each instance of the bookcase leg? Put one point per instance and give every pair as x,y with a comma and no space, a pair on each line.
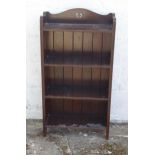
107,133
44,131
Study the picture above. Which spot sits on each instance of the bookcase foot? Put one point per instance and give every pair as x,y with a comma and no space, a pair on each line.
107,133
44,131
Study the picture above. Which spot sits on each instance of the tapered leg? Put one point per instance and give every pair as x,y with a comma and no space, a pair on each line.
44,130
107,133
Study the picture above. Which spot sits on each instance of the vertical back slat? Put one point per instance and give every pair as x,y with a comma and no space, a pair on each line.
50,40
58,47
107,39
77,71
87,72
68,39
96,72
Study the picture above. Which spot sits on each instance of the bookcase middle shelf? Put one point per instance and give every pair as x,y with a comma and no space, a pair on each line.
77,59
76,90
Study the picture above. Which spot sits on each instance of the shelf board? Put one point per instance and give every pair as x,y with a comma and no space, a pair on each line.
75,118
81,66
77,59
87,90
78,27
76,98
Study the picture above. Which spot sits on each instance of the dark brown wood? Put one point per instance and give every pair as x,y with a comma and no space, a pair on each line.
110,77
77,48
78,27
43,79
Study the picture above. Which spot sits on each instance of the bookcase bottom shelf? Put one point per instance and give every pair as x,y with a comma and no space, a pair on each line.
75,112
79,119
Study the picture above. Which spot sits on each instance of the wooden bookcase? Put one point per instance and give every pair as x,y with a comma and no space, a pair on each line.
77,48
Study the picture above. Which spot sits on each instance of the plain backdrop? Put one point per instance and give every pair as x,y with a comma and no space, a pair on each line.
141,81
34,9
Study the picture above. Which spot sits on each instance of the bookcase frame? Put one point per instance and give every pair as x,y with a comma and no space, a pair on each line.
77,50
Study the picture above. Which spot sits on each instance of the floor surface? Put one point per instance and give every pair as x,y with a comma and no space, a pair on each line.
73,140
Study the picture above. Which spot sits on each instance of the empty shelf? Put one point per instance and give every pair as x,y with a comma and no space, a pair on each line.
78,26
76,91
73,118
86,59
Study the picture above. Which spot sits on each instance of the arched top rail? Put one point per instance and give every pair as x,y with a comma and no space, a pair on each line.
76,18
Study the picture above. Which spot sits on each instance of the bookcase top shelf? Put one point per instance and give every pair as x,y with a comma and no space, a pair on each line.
78,20
77,27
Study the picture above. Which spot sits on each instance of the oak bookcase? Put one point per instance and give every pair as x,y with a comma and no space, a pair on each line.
77,48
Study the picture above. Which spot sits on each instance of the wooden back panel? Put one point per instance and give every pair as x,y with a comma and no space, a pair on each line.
96,44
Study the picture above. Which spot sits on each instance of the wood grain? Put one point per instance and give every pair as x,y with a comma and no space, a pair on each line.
77,50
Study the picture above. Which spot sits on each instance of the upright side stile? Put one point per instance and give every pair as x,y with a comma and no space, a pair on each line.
42,73
110,77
